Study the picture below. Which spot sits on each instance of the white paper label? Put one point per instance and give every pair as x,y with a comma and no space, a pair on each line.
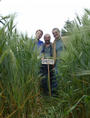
48,61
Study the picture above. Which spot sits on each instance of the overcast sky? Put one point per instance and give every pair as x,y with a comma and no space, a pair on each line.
42,14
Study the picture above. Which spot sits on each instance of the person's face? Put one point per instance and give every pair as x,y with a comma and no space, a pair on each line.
38,35
56,34
47,39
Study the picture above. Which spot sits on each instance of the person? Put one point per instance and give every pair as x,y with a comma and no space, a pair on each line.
38,35
37,43
47,47
58,46
47,52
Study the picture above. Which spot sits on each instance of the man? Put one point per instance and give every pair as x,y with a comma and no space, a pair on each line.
47,52
38,36
37,43
57,46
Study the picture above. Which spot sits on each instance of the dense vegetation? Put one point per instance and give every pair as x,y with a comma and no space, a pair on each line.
20,95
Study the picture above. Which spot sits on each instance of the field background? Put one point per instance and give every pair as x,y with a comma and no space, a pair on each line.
20,95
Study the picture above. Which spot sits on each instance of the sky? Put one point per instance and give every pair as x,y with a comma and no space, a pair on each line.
42,14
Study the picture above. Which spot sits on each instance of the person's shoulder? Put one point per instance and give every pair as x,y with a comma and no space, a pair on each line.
60,40
43,45
51,44
40,41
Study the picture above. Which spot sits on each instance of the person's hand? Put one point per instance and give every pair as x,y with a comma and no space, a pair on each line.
42,58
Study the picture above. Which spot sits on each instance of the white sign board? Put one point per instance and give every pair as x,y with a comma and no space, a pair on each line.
48,61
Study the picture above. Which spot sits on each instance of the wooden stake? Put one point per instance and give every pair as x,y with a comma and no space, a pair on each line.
49,86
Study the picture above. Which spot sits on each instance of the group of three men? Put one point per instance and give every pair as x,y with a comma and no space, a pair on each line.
49,50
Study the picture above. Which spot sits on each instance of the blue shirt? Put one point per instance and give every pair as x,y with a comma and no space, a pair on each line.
59,47
39,43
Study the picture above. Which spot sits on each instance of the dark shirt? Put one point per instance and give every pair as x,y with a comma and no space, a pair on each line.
47,51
